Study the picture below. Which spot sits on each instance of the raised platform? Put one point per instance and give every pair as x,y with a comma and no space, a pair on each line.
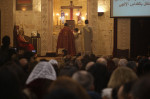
51,54
59,59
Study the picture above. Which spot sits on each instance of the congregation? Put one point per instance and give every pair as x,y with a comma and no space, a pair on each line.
74,77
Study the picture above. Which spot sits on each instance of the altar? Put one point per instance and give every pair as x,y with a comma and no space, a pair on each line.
72,12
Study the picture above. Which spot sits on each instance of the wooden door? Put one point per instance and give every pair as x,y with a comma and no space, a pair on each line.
140,37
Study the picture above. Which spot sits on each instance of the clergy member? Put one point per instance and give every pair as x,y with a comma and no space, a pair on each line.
87,37
22,43
66,40
77,36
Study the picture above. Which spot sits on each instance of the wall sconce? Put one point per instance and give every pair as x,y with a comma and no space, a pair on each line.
23,9
100,11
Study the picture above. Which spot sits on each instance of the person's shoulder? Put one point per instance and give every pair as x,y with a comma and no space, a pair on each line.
88,26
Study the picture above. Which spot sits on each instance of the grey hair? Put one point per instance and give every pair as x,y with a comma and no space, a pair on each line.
122,62
84,78
116,60
89,65
102,61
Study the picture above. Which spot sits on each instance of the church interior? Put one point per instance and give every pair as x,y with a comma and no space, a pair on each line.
112,36
35,65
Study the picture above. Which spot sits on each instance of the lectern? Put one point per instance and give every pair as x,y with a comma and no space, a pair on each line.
36,41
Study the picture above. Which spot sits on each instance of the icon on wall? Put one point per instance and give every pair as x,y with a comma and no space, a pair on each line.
24,5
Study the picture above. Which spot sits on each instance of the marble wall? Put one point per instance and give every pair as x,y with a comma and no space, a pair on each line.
47,26
7,18
30,20
105,29
93,22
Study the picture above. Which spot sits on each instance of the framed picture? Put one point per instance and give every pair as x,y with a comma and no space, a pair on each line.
24,5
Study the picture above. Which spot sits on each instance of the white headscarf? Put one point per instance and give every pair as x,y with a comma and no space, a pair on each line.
107,93
53,62
42,70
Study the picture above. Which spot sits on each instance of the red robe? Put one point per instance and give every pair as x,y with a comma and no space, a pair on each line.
66,40
23,44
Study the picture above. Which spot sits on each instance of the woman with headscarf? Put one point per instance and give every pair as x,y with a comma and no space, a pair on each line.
41,78
55,66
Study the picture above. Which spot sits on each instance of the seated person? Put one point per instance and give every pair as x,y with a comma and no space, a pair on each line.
22,43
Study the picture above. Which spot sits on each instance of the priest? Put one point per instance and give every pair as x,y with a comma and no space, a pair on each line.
66,40
23,43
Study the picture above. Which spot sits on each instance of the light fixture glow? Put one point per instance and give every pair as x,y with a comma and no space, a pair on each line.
83,18
100,9
57,14
66,14
23,9
77,14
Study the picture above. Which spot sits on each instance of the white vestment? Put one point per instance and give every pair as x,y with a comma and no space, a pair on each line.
78,42
42,70
87,37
